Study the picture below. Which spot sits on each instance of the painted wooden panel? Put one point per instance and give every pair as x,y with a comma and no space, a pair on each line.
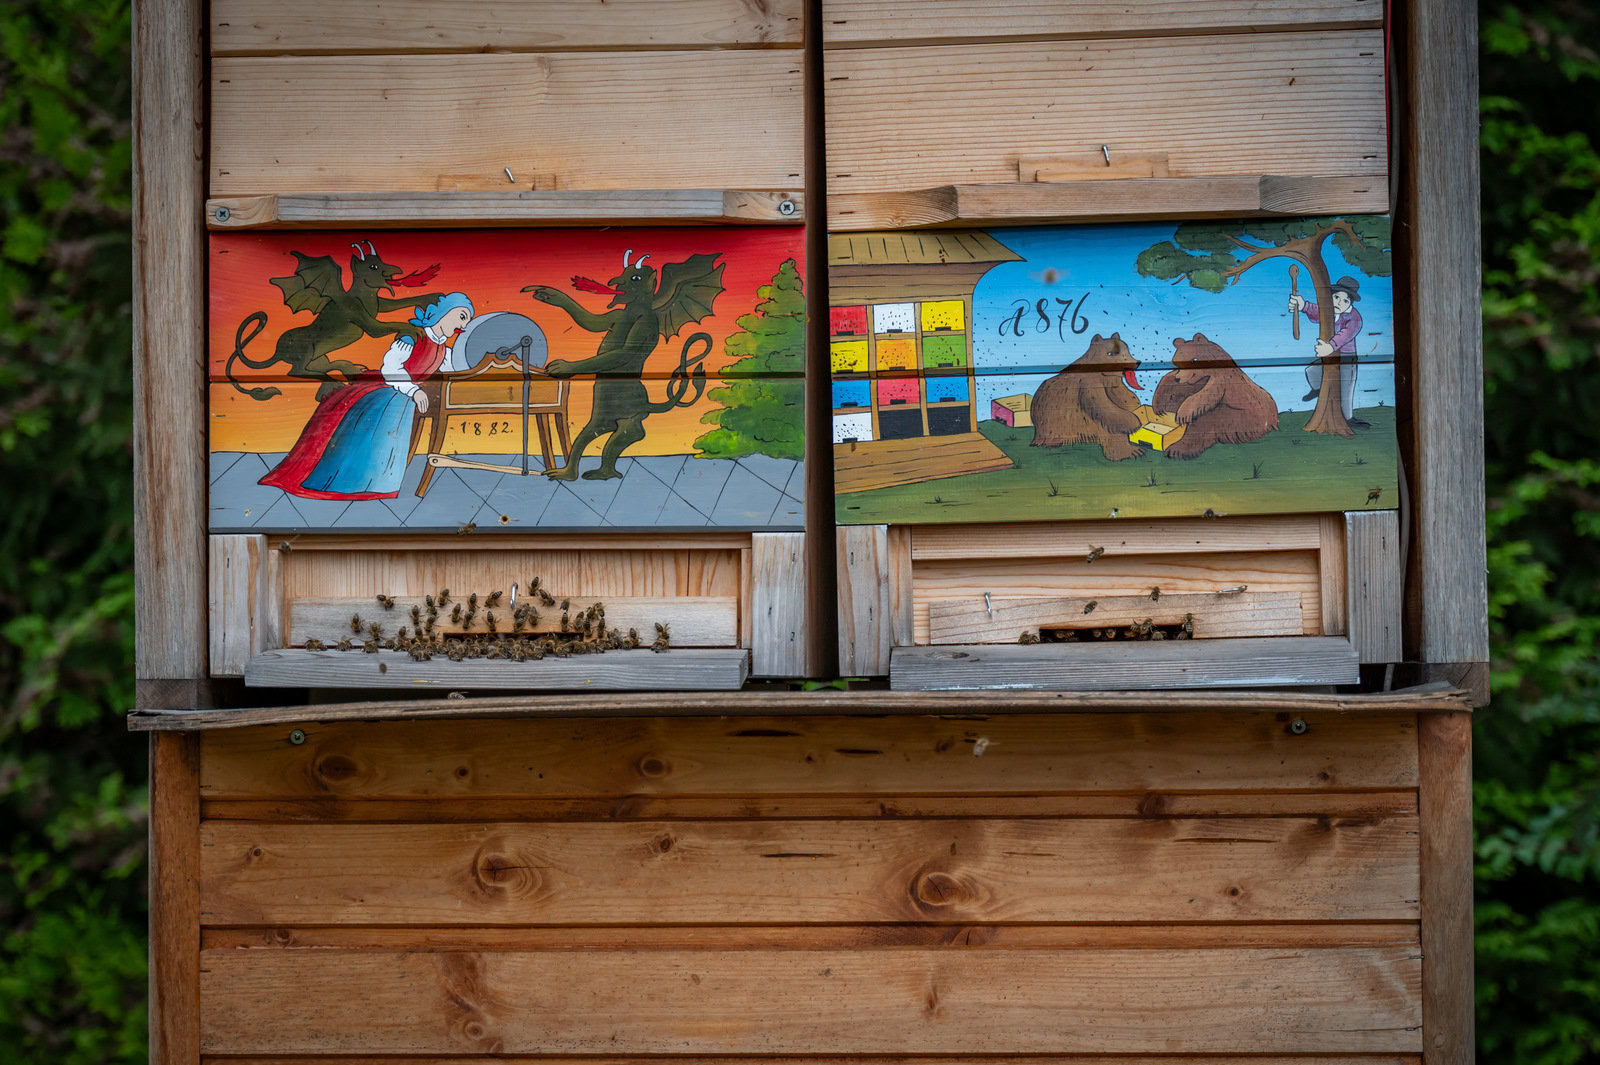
490,378
1130,370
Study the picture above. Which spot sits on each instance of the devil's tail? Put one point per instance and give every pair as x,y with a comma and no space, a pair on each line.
240,339
690,375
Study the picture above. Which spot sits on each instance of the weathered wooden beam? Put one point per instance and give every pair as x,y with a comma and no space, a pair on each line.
174,900
695,669
1184,536
1373,565
245,601
1281,661
695,621
512,207
169,342
778,605
1211,615
1444,802
865,616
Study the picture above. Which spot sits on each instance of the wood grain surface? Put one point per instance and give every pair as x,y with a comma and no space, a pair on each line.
516,207
688,669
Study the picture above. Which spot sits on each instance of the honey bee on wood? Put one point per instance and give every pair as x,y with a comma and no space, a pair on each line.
416,617
494,599
1028,637
1088,608
444,598
467,619
284,548
533,586
561,649
355,624
566,620
386,601
472,603
455,615
632,639
344,643
546,598
663,638
467,527
1373,494
1094,553
489,620
565,604
375,631
382,668
314,644
1155,593
1187,631
370,647
428,625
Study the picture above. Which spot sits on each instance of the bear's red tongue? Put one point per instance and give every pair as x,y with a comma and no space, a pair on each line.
1133,382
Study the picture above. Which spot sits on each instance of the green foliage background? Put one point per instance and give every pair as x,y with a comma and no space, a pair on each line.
72,792
763,399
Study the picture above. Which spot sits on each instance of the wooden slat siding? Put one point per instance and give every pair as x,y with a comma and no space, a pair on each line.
1324,803
901,599
859,1002
1276,661
1004,620
866,619
1113,574
1228,104
169,452
1448,607
1334,570
1113,200
525,207
1374,567
244,601
1445,802
864,23
574,120
778,605
174,899
353,27
1169,536
695,621
810,872
1025,755
1031,1059
688,669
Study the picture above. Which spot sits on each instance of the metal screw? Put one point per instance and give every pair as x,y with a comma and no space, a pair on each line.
222,214
297,737
1298,726
786,207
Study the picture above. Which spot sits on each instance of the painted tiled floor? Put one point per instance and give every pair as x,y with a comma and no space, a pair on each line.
662,492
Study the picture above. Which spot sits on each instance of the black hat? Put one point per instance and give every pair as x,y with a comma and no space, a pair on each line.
1350,286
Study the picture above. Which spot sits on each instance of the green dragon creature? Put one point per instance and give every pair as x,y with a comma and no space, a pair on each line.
343,316
640,313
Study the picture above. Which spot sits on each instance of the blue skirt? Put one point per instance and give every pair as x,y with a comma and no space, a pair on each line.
367,453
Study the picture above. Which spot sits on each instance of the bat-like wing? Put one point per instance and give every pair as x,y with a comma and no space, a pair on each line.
687,291
313,283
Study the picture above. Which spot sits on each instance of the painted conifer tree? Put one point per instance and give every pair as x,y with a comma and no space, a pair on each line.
763,394
1207,256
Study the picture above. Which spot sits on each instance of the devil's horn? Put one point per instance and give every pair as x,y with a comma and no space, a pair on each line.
642,258
371,250
359,252
625,257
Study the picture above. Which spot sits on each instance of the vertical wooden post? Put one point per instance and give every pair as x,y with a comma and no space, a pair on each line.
865,618
1372,563
244,601
1447,612
175,898
779,607
1444,767
169,351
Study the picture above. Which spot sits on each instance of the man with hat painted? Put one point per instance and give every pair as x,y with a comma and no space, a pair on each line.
1346,327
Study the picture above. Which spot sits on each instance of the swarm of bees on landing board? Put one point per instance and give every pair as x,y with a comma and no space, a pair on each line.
582,631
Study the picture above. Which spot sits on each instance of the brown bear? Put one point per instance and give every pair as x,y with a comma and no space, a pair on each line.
1091,402
1215,399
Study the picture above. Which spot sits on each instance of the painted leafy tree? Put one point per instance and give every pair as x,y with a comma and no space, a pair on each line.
763,394
1211,255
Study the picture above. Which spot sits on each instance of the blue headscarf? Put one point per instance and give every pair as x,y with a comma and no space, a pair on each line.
431,314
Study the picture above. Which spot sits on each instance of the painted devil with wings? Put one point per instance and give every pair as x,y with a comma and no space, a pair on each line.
641,313
343,315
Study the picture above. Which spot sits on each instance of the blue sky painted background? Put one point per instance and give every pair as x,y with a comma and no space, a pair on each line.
1249,319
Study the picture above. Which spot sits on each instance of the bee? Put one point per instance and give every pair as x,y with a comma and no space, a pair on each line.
382,667
565,604
546,598
314,644
1088,608
1155,593
632,639
494,599
466,620
1158,635
472,603
375,631
402,633
561,649
456,695
467,527
416,616
566,621
444,598
420,653
663,638
344,643
1210,513
533,586
355,624
1094,553
455,615
1373,494
518,620
489,619
370,647
386,601
1187,632
1028,637
428,625
284,548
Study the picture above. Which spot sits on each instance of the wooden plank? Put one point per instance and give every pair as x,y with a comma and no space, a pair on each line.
513,207
1332,568
858,23
997,621
1281,661
695,621
517,540
1444,743
752,1001
1448,607
695,669
446,810
174,900
778,605
1374,563
1295,532
859,470
866,618
1106,200
810,872
353,27
1261,572
559,120
1198,751
901,603
169,452
1031,1059
948,133
244,601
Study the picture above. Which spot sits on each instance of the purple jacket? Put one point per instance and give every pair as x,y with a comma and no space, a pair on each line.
1346,327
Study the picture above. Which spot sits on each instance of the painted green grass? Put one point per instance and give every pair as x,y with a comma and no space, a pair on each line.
1286,471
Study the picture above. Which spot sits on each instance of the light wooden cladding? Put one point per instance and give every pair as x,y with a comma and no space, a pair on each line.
549,207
